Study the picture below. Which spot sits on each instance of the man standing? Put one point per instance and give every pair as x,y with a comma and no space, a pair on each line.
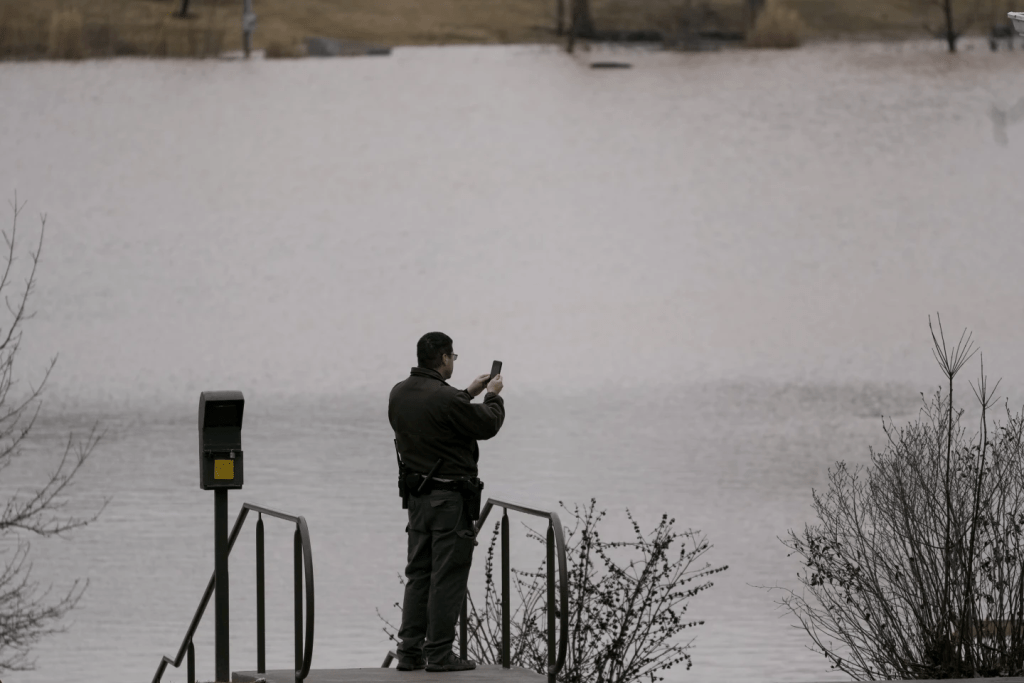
436,430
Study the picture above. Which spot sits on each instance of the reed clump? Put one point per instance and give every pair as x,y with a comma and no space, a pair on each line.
778,27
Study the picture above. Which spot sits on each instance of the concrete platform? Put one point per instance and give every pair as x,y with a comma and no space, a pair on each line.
484,673
1009,679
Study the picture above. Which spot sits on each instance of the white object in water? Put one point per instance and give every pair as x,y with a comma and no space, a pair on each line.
1018,21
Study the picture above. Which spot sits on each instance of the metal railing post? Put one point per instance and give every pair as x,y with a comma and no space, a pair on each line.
551,603
302,531
191,675
298,603
261,612
463,618
505,600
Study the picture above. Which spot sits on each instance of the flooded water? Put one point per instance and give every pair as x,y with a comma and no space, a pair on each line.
707,277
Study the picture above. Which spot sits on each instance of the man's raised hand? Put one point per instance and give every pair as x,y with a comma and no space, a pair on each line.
478,384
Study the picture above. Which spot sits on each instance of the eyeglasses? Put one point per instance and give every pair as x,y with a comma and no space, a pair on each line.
455,356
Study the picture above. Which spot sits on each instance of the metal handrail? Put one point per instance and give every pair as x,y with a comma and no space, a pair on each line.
556,542
303,546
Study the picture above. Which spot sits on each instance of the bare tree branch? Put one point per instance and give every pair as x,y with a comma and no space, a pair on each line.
28,613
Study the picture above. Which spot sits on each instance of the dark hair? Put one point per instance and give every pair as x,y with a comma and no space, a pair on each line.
431,347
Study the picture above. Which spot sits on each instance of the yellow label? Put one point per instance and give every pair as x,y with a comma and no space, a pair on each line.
223,469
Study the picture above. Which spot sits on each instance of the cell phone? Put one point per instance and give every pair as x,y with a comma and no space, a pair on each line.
495,370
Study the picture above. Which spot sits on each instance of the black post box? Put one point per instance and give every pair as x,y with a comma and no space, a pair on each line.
220,439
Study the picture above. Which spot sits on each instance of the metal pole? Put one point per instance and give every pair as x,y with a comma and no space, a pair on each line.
261,613
551,603
191,675
248,26
463,618
220,556
298,603
572,26
505,601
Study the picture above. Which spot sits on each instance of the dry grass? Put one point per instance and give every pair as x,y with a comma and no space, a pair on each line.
75,29
22,32
282,50
67,37
147,27
175,37
895,18
278,38
777,27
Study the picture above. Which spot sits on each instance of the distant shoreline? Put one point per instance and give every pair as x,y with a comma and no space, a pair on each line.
74,29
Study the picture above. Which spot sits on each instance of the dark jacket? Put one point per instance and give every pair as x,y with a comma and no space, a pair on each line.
435,421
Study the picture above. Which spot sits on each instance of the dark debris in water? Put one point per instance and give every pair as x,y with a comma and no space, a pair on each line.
333,47
610,65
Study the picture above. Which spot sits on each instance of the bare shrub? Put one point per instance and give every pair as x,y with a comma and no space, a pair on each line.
626,603
777,27
67,35
918,571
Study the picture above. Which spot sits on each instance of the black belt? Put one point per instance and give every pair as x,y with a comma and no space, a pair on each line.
446,485
469,488
460,485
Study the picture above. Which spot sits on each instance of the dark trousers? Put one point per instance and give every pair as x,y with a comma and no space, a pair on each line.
440,554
